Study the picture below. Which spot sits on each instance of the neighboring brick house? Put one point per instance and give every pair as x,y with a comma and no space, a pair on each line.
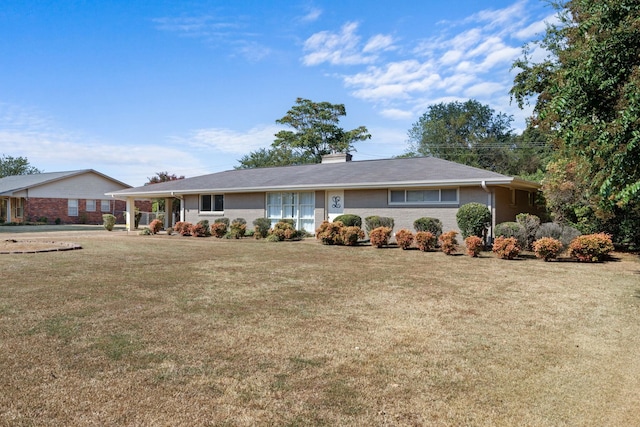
74,197
403,188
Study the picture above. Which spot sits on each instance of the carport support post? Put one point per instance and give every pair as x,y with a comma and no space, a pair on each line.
168,212
130,214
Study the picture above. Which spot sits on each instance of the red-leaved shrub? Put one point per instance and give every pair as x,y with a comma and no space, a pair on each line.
448,242
183,227
329,233
218,229
198,230
350,235
474,245
425,240
547,248
404,238
506,247
591,247
380,236
155,226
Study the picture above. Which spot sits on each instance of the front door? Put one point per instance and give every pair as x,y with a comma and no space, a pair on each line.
335,204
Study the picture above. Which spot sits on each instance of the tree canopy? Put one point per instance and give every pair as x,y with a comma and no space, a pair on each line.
474,134
588,93
163,177
587,96
10,166
316,132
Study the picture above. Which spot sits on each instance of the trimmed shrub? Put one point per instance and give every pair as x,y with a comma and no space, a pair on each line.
512,229
261,227
144,232
329,233
448,242
506,247
564,233
205,223
351,235
404,238
284,230
474,245
432,225
531,224
336,233
591,247
425,241
218,229
349,220
155,226
380,236
198,230
108,221
222,220
473,219
373,222
237,229
183,227
547,248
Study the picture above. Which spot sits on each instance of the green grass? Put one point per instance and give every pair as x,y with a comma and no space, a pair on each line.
159,330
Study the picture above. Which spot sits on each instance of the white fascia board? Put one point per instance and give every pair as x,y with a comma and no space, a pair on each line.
315,187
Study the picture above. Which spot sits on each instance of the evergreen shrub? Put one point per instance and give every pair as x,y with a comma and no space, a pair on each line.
349,220
473,219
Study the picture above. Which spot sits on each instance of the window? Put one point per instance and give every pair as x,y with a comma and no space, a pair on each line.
91,205
19,207
442,195
299,207
72,207
105,206
212,203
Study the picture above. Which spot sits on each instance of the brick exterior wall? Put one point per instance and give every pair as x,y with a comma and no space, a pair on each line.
52,209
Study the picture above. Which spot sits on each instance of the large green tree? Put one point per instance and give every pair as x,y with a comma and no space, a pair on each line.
10,166
587,95
316,132
474,134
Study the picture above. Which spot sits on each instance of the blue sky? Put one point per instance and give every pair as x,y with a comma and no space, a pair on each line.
131,88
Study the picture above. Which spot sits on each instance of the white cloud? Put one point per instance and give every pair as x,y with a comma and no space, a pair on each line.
312,15
230,141
343,48
378,42
469,58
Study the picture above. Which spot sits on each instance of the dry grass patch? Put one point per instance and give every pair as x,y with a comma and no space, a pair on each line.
160,330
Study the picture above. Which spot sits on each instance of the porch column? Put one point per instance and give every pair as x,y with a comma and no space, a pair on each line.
168,212
9,219
130,214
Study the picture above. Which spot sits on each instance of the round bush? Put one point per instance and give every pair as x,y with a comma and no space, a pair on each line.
506,247
432,225
404,238
349,220
473,219
425,241
380,236
261,227
591,247
547,248
512,229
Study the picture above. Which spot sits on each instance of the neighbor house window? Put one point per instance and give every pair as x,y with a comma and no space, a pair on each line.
440,195
91,205
300,207
72,206
212,203
19,207
105,206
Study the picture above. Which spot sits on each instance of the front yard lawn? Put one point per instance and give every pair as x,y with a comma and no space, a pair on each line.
166,330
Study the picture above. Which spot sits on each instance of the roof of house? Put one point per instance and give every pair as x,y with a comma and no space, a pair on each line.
14,183
388,173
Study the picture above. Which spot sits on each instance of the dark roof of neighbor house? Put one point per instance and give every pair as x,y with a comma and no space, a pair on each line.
14,183
388,173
